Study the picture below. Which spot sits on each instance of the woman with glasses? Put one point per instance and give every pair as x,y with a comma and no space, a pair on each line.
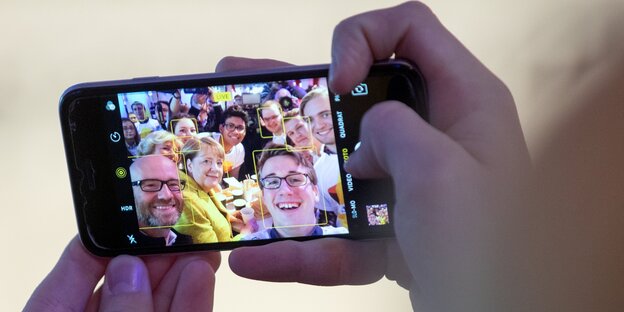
204,217
289,192
131,136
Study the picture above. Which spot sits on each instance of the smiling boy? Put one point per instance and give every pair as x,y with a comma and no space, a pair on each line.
289,192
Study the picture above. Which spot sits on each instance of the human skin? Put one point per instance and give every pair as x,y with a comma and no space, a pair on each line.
150,283
162,208
206,168
319,112
292,208
297,130
450,196
184,129
232,137
272,119
139,111
129,131
165,111
166,149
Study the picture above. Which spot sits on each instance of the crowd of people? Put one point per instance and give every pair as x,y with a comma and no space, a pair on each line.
285,138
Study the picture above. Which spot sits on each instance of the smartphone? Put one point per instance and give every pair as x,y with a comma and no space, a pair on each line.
217,161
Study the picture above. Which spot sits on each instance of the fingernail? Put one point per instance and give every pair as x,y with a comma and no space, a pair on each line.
126,274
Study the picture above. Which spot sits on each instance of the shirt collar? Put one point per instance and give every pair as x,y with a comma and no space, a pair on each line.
171,238
317,231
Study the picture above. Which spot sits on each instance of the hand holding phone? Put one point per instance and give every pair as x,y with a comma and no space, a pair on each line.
446,173
166,282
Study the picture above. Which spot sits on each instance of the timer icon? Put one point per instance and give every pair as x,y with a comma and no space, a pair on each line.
115,137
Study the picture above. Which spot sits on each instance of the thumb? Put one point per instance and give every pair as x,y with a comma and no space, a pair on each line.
395,141
126,286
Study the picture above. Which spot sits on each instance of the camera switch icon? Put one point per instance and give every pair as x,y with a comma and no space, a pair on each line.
110,106
360,90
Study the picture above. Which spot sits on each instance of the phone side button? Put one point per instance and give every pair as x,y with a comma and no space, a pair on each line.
150,78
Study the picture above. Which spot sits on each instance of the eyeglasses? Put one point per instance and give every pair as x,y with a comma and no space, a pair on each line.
231,126
293,180
154,185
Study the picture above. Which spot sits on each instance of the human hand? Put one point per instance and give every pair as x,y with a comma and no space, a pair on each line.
239,225
151,283
450,197
236,220
202,118
454,176
358,262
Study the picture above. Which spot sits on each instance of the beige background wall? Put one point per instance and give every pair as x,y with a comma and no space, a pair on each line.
542,50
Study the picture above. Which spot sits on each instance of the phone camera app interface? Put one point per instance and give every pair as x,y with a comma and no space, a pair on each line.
360,90
233,162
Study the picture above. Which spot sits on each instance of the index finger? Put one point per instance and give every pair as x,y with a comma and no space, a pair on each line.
468,103
68,287
231,63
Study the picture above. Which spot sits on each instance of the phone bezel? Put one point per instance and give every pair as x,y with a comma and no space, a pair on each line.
87,90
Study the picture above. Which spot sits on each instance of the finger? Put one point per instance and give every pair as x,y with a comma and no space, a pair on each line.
384,146
329,261
195,288
163,292
397,270
70,284
455,78
126,286
94,301
232,63
159,265
410,31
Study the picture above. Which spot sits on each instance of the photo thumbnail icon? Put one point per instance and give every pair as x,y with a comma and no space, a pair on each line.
377,214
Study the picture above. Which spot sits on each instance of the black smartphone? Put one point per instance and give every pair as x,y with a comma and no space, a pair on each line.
217,161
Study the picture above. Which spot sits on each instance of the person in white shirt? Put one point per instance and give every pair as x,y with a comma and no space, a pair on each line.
145,124
289,192
315,106
299,134
232,131
271,118
158,193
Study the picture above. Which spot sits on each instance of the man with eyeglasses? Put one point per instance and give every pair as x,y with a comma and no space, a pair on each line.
271,118
159,202
289,192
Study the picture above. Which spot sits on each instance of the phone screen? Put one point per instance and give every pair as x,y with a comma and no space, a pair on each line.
216,164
